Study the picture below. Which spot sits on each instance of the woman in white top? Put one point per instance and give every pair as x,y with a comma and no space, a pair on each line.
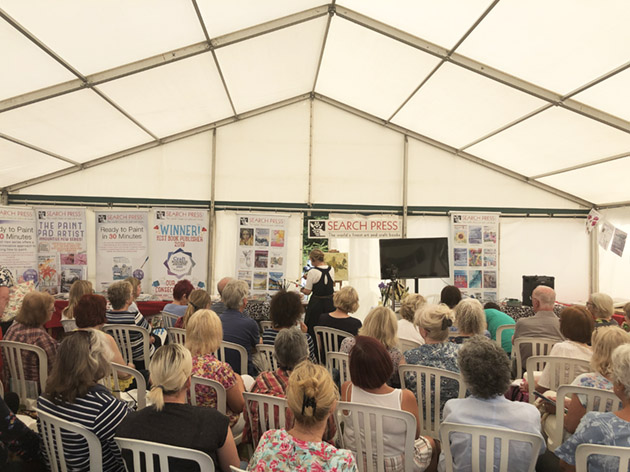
406,327
576,325
77,290
370,368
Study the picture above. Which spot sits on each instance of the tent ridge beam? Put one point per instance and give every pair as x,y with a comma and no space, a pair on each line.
452,150
38,149
609,206
122,111
331,12
583,165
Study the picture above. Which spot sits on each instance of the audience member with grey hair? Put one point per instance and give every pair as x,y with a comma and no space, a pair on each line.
469,320
290,348
602,308
238,328
485,368
218,306
606,428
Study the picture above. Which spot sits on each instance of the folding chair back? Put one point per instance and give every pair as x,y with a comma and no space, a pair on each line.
407,345
140,394
209,383
271,413
125,335
506,328
341,362
17,356
267,357
562,370
329,339
176,335
242,352
161,453
265,325
583,452
168,319
539,347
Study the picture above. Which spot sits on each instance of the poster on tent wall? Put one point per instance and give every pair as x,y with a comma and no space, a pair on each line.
18,243
475,245
61,247
121,247
179,249
261,251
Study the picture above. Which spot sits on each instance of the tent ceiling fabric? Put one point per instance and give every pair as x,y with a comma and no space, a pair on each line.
503,81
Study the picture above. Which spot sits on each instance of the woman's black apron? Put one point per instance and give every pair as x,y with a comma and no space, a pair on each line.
321,300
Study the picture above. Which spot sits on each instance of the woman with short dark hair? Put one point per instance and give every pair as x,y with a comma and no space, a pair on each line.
370,368
181,292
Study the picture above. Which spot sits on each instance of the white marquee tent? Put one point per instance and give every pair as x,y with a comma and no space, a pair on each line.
409,107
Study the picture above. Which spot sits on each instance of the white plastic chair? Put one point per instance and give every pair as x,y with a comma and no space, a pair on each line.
50,428
68,325
163,452
341,362
168,319
124,335
562,370
329,339
429,404
539,346
271,413
176,335
499,437
407,345
218,388
583,452
366,422
596,400
266,325
501,329
242,352
268,359
15,356
141,385
236,469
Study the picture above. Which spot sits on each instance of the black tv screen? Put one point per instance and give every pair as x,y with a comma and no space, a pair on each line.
422,258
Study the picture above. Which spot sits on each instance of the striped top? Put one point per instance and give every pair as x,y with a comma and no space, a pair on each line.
132,318
269,337
100,413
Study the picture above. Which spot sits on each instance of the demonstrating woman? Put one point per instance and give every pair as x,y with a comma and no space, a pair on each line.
197,300
406,328
320,285
285,310
170,420
485,369
370,368
28,327
601,307
433,322
181,291
203,337
612,429
469,319
381,325
311,397
74,394
77,290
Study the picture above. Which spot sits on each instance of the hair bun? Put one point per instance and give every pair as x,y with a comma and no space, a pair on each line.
446,323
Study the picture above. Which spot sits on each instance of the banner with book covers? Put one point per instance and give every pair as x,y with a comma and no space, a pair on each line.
475,243
261,249
18,243
608,236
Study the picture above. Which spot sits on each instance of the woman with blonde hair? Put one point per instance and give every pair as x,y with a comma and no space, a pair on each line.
203,337
601,307
470,320
77,290
136,290
171,420
380,324
312,398
346,301
197,300
406,328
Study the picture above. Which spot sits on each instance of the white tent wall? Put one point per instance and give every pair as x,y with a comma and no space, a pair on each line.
614,271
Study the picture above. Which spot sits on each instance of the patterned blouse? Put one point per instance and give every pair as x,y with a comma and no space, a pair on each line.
397,356
16,437
209,367
592,380
278,450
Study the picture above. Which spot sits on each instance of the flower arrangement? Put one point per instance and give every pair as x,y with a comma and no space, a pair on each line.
392,291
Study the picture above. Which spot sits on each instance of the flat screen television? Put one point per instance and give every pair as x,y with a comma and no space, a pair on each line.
421,258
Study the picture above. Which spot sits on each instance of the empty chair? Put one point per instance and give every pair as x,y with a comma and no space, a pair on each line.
539,347
240,350
562,371
169,319
267,357
271,413
464,448
431,384
611,455
176,335
163,455
14,354
338,364
130,340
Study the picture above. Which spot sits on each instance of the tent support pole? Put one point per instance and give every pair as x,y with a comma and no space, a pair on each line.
405,184
4,197
213,239
310,154
594,263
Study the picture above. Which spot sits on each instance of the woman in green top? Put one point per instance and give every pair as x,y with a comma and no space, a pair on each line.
496,318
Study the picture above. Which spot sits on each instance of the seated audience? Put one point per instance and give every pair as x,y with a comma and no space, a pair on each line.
77,290
136,290
601,307
612,429
370,368
433,322
312,398
74,394
626,317
203,337
197,300
486,371
450,296
346,301
218,306
576,325
285,310
237,327
181,291
470,320
496,318
380,324
290,348
120,297
408,308
19,441
28,327
170,420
